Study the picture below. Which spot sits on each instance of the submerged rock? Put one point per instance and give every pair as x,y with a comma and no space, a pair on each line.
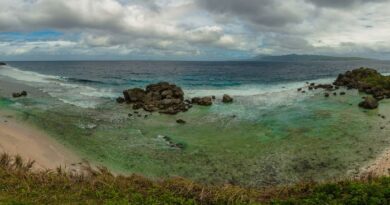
18,95
369,103
180,121
227,99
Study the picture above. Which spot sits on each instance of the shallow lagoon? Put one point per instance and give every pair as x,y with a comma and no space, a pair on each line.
252,142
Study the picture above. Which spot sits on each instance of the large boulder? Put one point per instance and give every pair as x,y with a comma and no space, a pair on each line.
2,63
162,97
227,99
369,103
204,101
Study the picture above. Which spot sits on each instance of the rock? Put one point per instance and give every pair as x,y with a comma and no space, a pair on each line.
299,89
334,93
2,63
227,99
213,97
342,93
120,100
134,95
180,121
18,95
160,97
369,103
324,86
326,94
204,101
137,106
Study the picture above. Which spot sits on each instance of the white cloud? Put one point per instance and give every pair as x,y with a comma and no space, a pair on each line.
195,27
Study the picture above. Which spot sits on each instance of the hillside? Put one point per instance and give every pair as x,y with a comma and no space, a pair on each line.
20,185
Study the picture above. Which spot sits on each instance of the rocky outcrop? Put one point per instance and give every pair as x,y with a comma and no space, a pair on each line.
18,95
227,99
162,97
369,81
366,80
204,101
369,103
2,63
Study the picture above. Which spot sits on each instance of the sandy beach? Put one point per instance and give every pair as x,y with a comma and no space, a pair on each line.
33,144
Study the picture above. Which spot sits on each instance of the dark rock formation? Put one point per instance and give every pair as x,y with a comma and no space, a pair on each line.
326,94
18,95
327,87
204,101
162,97
2,63
120,100
369,81
227,99
342,93
180,121
369,103
366,80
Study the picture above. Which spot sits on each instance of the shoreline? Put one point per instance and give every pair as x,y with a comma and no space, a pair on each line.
18,138
379,167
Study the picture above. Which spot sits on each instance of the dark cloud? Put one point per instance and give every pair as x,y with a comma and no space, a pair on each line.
342,3
272,13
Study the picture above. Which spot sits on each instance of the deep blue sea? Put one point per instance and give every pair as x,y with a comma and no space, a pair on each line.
74,81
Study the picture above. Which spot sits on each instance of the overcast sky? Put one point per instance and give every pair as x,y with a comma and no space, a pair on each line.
191,29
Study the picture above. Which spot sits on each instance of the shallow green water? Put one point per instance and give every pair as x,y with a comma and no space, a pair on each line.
308,138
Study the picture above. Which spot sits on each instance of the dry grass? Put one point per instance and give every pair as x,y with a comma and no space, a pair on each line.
20,185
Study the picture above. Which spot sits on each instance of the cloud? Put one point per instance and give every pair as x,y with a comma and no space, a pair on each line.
342,3
177,29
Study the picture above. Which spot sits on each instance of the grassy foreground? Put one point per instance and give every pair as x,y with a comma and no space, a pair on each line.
20,185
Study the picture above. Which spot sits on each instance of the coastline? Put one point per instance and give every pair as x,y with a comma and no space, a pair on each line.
379,167
17,138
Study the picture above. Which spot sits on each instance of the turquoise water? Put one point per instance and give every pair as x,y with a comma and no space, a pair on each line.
266,137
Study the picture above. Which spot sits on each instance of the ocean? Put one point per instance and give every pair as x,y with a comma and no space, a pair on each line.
270,135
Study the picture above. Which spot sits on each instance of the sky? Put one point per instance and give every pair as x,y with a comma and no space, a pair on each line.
191,29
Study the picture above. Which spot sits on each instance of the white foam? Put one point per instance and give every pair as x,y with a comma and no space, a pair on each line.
253,90
58,87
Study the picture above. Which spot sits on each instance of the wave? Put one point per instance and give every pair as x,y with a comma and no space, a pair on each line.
61,88
90,93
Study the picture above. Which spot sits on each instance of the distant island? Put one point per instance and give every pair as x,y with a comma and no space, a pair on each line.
296,57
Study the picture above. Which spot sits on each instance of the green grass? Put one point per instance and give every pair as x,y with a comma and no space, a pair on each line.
20,185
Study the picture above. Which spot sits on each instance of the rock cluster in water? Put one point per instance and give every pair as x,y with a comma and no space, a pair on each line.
2,63
163,97
365,80
368,81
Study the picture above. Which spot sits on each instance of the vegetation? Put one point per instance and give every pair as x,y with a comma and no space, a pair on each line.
19,184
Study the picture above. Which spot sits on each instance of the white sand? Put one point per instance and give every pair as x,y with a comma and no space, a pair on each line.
33,144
